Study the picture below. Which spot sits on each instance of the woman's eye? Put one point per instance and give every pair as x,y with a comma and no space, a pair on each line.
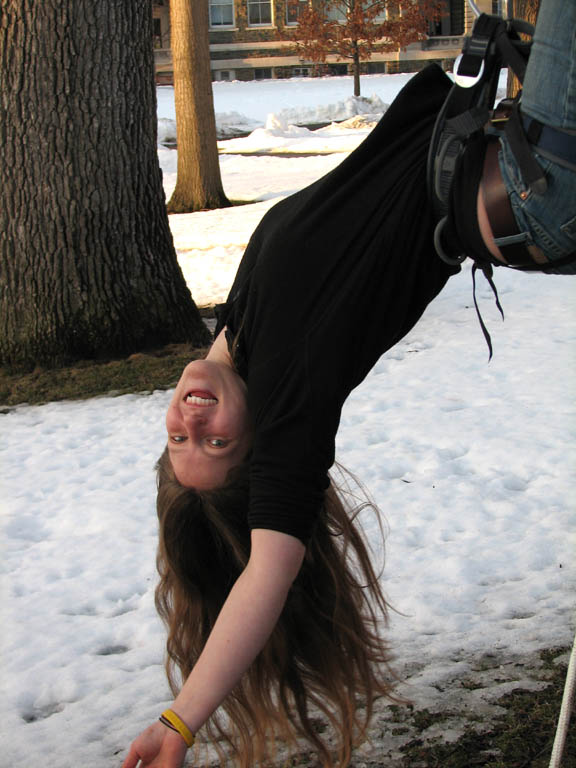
216,442
177,438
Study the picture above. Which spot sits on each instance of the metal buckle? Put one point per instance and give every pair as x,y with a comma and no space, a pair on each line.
465,81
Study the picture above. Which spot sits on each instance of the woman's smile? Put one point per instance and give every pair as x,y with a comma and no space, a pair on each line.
207,423
200,398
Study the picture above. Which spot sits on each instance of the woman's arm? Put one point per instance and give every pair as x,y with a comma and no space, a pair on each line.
244,625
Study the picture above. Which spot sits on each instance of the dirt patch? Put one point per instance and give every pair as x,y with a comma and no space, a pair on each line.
142,372
499,712
494,711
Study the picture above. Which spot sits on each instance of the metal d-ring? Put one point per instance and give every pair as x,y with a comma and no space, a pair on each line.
452,260
466,81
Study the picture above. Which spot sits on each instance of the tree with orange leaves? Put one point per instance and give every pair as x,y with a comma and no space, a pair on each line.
354,29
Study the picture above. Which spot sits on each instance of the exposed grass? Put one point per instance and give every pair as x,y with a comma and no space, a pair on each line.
520,738
141,372
137,373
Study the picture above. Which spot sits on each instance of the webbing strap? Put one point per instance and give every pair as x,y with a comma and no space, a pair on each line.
552,265
476,46
467,123
551,142
488,273
530,168
511,54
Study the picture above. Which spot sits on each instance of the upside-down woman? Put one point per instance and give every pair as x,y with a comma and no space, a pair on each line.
273,607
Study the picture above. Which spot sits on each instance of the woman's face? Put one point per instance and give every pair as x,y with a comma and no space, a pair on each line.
208,424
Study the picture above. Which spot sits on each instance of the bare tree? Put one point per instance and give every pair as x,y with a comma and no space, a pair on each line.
87,264
354,29
198,182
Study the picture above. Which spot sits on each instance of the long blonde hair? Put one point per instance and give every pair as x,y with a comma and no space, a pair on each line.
326,653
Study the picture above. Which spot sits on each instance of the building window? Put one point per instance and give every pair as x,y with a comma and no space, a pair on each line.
386,12
293,10
259,12
157,33
221,13
457,17
263,73
224,75
339,12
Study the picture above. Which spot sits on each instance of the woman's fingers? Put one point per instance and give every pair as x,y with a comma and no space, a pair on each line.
132,759
156,747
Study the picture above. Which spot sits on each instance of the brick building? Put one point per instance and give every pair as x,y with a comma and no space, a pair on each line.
249,41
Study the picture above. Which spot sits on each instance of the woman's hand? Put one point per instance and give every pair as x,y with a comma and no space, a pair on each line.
157,747
245,623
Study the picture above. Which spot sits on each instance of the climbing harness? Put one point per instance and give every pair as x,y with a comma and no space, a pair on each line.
464,154
468,121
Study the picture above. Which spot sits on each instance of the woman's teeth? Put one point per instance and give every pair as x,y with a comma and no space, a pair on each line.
195,400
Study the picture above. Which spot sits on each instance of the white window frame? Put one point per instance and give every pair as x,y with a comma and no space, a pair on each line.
230,75
222,3
341,19
333,15
262,23
381,16
301,3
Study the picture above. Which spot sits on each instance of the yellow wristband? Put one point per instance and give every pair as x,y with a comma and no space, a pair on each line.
171,719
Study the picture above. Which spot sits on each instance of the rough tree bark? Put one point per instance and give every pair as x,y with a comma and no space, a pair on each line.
198,181
87,264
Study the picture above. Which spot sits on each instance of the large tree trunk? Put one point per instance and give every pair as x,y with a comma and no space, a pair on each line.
198,182
87,264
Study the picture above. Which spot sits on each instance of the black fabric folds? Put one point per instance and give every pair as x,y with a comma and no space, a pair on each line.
332,277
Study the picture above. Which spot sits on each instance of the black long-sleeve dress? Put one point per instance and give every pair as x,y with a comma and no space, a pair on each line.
332,277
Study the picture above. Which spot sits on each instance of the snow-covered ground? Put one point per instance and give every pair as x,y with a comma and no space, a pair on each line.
472,463
242,107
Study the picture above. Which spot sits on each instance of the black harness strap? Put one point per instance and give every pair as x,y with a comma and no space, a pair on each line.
530,168
514,51
488,274
467,108
553,143
476,46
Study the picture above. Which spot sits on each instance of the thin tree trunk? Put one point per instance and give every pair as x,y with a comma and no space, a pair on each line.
198,183
87,264
356,69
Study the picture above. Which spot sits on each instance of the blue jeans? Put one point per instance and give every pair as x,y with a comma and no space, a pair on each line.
549,95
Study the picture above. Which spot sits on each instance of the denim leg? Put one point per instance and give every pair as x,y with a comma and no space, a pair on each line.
549,95
549,92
